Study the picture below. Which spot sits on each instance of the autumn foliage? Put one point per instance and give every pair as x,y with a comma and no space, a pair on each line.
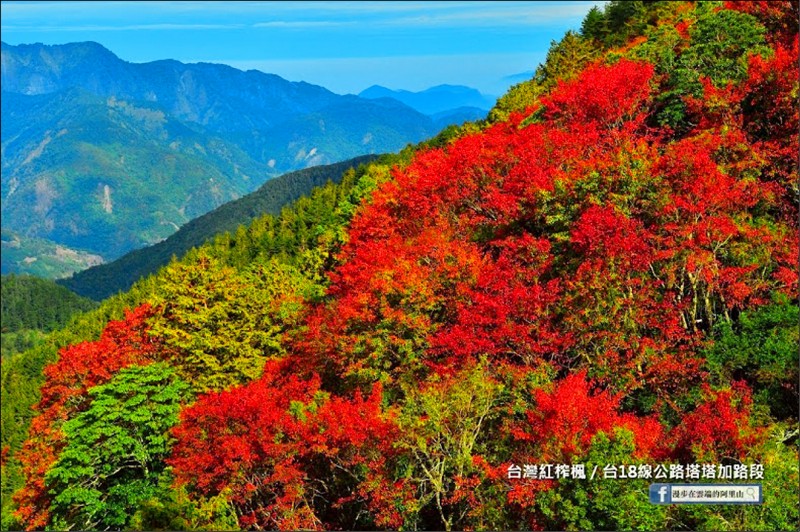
542,288
719,428
280,446
564,421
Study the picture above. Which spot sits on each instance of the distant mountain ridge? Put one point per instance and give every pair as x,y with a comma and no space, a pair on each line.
218,97
105,156
519,76
435,99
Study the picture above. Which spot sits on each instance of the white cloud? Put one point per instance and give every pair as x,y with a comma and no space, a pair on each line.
303,24
491,15
75,10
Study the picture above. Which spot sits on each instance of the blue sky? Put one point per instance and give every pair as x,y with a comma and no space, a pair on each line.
344,46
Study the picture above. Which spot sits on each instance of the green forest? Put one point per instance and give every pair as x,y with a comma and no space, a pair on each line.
518,324
31,307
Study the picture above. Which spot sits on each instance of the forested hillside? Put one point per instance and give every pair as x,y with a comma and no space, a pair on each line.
102,281
298,238
33,303
30,307
516,325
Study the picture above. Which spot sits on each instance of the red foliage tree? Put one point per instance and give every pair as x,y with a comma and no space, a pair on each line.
711,249
443,266
563,422
719,428
627,328
606,95
771,119
507,313
282,448
559,429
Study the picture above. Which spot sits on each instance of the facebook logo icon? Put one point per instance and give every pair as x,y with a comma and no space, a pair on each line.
660,494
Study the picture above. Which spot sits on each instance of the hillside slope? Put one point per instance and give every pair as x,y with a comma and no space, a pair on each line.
100,282
30,307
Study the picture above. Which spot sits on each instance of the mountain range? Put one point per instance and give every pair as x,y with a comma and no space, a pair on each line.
101,156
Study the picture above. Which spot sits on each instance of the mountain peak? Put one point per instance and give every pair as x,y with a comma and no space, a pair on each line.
434,100
375,88
81,47
451,88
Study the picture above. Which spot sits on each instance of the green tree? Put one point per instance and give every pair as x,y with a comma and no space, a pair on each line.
172,509
603,504
761,347
720,44
115,450
565,59
780,510
444,425
623,19
29,303
594,24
